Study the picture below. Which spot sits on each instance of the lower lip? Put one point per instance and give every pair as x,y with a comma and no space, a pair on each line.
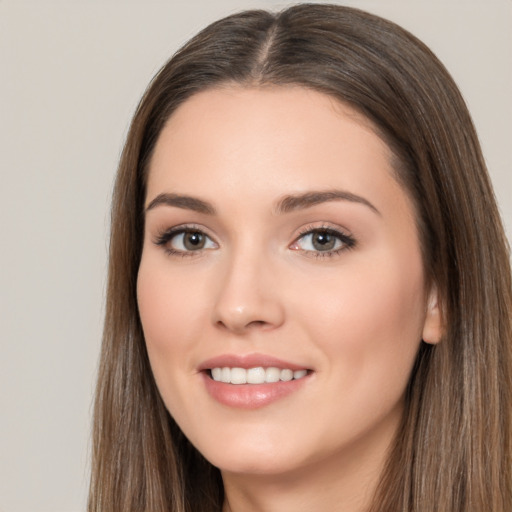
251,396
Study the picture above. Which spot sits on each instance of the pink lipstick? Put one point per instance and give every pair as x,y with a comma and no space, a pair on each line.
251,381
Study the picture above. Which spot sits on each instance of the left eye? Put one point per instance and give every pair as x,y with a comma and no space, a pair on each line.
322,240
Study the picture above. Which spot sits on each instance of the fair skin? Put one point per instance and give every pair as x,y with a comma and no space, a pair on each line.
328,282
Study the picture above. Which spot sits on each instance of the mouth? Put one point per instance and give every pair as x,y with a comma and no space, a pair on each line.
255,375
252,381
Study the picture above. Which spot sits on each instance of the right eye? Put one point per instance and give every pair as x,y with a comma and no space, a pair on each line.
184,240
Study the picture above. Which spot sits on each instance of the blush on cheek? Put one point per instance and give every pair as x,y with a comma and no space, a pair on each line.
378,318
171,313
156,309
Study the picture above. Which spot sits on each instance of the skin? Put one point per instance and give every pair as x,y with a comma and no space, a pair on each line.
355,318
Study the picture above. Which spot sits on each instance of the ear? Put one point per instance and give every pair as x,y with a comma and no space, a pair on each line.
433,326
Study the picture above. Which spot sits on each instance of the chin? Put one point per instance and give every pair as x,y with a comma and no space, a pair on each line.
254,456
267,465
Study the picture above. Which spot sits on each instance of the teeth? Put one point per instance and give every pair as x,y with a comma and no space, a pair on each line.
286,375
255,375
238,376
258,375
299,374
272,374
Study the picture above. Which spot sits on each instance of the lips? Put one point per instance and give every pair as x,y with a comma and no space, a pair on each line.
251,381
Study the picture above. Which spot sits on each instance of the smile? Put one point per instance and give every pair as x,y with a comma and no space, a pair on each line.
257,375
252,381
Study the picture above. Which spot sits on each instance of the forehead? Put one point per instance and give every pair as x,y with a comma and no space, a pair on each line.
257,111
252,130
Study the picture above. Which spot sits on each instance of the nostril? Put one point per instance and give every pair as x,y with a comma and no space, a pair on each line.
256,323
243,327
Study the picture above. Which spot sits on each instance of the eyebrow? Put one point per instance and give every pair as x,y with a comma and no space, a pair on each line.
180,201
309,199
285,205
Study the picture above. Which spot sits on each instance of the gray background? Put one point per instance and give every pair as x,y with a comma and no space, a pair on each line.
71,74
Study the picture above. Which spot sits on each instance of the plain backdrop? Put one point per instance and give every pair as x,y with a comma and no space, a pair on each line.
71,74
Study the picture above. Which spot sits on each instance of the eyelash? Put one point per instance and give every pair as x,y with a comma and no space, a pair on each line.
163,239
347,241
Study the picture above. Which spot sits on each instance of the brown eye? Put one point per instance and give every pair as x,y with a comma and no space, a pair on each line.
323,241
183,241
193,240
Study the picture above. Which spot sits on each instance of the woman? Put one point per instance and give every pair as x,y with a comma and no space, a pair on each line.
309,286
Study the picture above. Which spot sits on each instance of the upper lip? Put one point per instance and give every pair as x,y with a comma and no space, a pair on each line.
248,361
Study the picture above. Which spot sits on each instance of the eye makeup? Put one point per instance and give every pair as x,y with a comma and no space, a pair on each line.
322,241
185,240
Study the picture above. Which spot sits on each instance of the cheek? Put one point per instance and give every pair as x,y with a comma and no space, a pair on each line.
370,320
172,316
170,312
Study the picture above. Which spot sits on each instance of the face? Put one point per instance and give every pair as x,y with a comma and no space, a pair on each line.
281,288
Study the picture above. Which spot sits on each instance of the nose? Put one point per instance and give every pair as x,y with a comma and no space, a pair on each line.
248,296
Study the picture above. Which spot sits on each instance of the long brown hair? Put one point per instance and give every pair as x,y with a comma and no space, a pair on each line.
453,450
